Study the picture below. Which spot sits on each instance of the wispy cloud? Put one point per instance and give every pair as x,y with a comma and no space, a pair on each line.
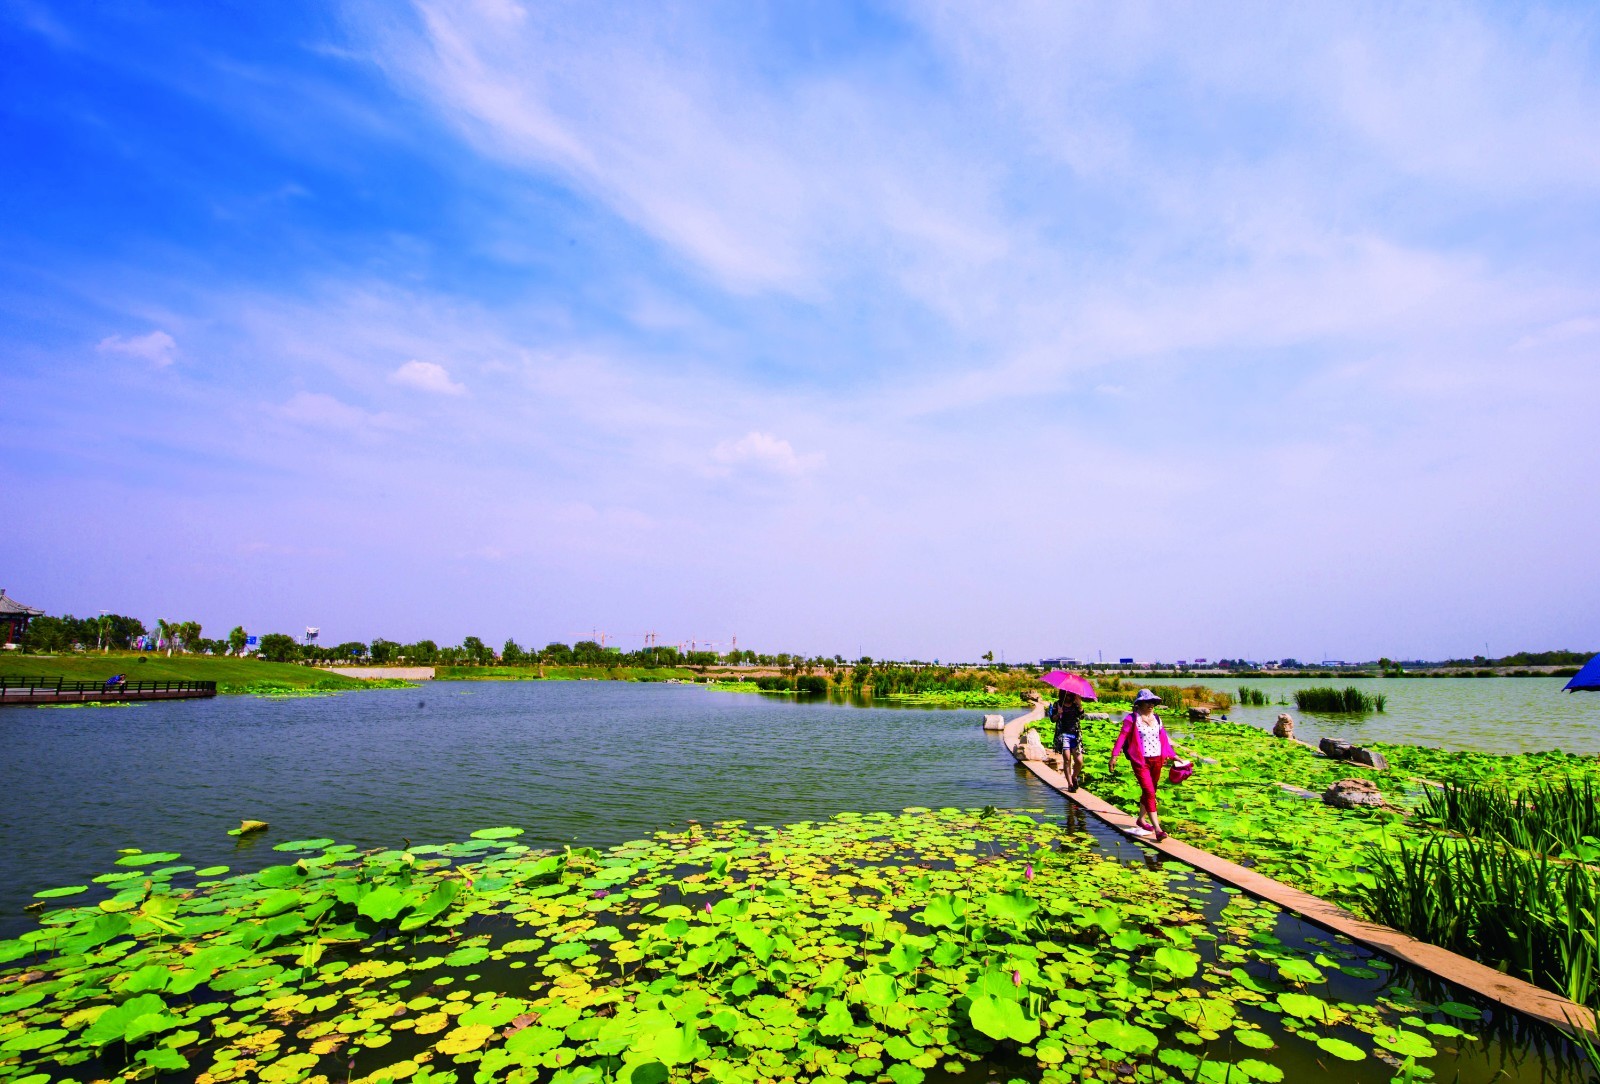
721,289
316,410
427,376
764,453
157,347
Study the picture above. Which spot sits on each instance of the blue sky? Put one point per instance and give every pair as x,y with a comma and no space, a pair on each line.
907,329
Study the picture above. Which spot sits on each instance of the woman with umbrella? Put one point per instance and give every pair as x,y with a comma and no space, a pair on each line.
1067,714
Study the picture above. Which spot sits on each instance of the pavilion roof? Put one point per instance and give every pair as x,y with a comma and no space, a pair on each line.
10,605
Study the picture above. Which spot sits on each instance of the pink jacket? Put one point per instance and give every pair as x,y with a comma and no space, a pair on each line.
1128,742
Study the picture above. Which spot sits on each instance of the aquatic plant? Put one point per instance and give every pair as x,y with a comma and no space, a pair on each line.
1350,699
1558,817
875,946
1514,909
1253,698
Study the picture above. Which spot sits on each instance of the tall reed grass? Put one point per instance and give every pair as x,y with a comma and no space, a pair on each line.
1326,699
1553,817
1534,917
1253,698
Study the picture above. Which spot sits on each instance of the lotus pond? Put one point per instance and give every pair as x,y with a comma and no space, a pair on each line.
904,944
924,945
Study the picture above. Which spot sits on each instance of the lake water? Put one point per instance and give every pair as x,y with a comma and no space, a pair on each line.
591,763
1486,715
594,763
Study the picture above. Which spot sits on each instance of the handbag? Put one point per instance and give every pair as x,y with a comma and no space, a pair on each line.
1179,771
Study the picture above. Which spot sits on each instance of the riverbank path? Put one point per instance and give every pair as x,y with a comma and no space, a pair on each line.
1513,993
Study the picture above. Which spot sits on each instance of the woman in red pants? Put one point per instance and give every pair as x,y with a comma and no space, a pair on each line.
1149,750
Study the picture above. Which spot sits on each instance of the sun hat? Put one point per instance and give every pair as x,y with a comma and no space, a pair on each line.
1145,696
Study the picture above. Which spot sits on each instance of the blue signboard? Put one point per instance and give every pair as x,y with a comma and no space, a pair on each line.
249,641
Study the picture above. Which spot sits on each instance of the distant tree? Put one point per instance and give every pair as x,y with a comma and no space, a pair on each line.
383,652
476,650
588,652
512,654
865,660
351,649
988,656
48,634
423,652
278,647
560,654
189,634
237,638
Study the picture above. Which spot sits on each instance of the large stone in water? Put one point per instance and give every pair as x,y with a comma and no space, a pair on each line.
1334,749
1199,713
1362,755
1031,748
1101,716
1353,794
1284,727
994,722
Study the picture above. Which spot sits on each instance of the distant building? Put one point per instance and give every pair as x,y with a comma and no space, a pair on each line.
14,618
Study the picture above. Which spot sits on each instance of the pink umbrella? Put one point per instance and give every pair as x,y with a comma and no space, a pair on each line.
1070,683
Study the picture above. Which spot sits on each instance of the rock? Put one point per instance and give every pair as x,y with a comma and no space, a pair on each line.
1334,749
1030,696
1298,792
990,689
1030,747
994,722
1362,755
1353,794
1101,716
1199,713
1284,727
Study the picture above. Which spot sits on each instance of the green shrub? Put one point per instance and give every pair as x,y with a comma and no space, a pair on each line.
1326,699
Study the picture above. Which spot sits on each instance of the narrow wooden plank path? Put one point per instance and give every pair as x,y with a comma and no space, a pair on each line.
1513,993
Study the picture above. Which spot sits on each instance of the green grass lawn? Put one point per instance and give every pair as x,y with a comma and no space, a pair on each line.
559,673
231,675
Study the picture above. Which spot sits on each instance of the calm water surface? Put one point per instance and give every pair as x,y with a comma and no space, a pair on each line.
595,763
572,762
1486,715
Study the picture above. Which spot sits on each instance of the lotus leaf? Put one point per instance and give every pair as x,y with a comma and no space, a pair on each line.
1408,1044
1339,1048
1176,962
1123,1036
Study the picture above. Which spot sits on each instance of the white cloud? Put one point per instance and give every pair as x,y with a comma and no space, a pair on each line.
427,376
158,348
765,453
318,411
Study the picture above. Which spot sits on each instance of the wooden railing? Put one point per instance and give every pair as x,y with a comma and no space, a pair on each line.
61,685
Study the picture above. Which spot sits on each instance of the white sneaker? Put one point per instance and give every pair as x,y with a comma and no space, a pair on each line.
1135,830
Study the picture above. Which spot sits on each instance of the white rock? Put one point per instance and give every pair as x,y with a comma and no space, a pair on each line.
1031,748
994,722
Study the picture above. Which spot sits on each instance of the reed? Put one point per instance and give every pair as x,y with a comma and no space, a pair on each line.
1326,699
1559,816
1253,698
1521,911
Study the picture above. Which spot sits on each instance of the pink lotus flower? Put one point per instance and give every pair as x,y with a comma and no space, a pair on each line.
1016,978
1027,871
708,908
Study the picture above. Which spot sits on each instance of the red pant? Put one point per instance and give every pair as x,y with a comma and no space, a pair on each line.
1149,775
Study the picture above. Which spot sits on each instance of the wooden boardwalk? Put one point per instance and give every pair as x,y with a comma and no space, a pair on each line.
1503,989
36,691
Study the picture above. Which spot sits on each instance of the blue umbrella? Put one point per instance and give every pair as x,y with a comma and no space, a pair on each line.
1587,678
